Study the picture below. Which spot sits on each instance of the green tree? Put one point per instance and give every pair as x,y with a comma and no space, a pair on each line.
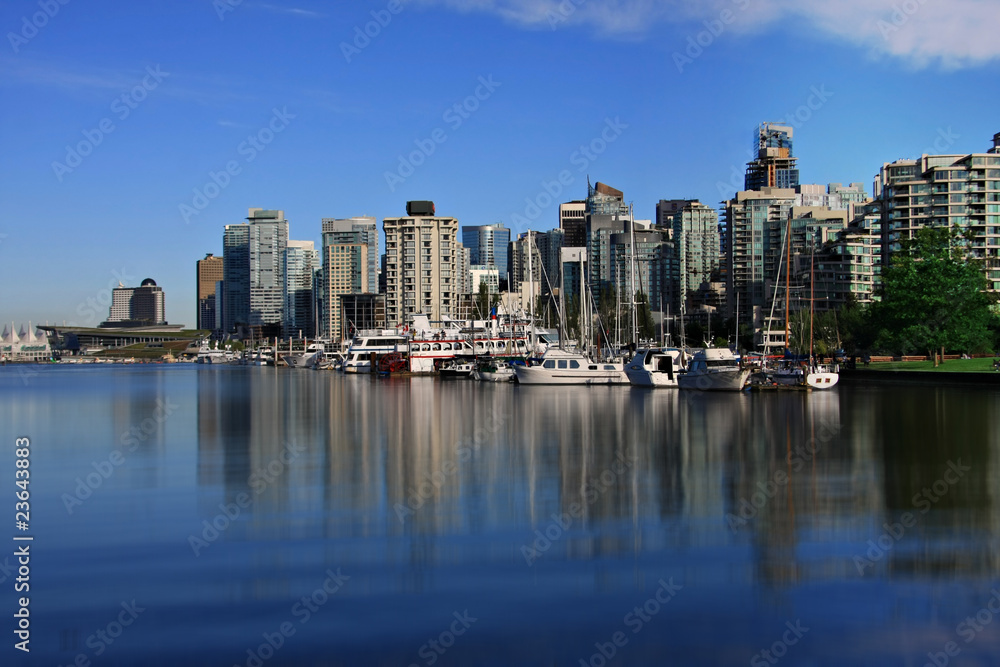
933,296
485,301
647,327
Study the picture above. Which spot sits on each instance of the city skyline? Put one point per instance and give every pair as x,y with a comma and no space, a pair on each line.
487,123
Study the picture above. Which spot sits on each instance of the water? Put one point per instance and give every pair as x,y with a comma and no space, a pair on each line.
455,523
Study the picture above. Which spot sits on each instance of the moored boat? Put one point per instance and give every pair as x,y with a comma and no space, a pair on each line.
655,367
714,369
558,366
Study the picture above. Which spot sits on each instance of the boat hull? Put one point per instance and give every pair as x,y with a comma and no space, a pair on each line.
538,375
822,380
715,381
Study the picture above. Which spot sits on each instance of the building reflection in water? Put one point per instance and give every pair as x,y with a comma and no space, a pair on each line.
410,471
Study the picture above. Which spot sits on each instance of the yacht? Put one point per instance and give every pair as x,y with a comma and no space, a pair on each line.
495,371
457,369
714,369
558,366
655,367
310,357
207,355
368,346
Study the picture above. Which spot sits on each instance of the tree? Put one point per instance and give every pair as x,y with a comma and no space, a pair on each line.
647,328
933,296
485,301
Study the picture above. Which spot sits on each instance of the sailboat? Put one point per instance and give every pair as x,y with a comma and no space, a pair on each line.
810,375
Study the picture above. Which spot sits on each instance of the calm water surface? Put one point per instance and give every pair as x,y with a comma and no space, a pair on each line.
426,522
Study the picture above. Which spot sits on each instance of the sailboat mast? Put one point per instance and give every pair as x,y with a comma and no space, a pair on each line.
531,292
812,303
788,271
635,304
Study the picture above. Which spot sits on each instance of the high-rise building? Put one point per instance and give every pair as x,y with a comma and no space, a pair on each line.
774,164
345,271
137,306
488,246
149,303
666,209
268,241
755,225
957,191
236,277
519,261
696,242
573,223
463,263
361,229
301,261
422,272
208,272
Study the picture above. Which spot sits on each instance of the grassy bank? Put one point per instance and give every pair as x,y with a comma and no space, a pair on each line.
984,365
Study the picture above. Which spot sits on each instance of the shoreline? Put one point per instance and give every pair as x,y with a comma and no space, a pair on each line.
991,378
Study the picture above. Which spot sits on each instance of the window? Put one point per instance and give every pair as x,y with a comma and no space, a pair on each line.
562,363
549,364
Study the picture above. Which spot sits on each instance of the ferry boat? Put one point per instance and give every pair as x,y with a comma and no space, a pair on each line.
714,369
655,367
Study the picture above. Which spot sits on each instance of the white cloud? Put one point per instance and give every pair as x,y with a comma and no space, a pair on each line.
951,33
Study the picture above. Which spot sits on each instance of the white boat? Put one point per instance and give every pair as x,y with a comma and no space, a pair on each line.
369,346
308,358
558,366
457,369
495,371
822,377
714,369
207,355
262,356
655,367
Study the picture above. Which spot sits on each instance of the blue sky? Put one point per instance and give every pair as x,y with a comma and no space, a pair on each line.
116,116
